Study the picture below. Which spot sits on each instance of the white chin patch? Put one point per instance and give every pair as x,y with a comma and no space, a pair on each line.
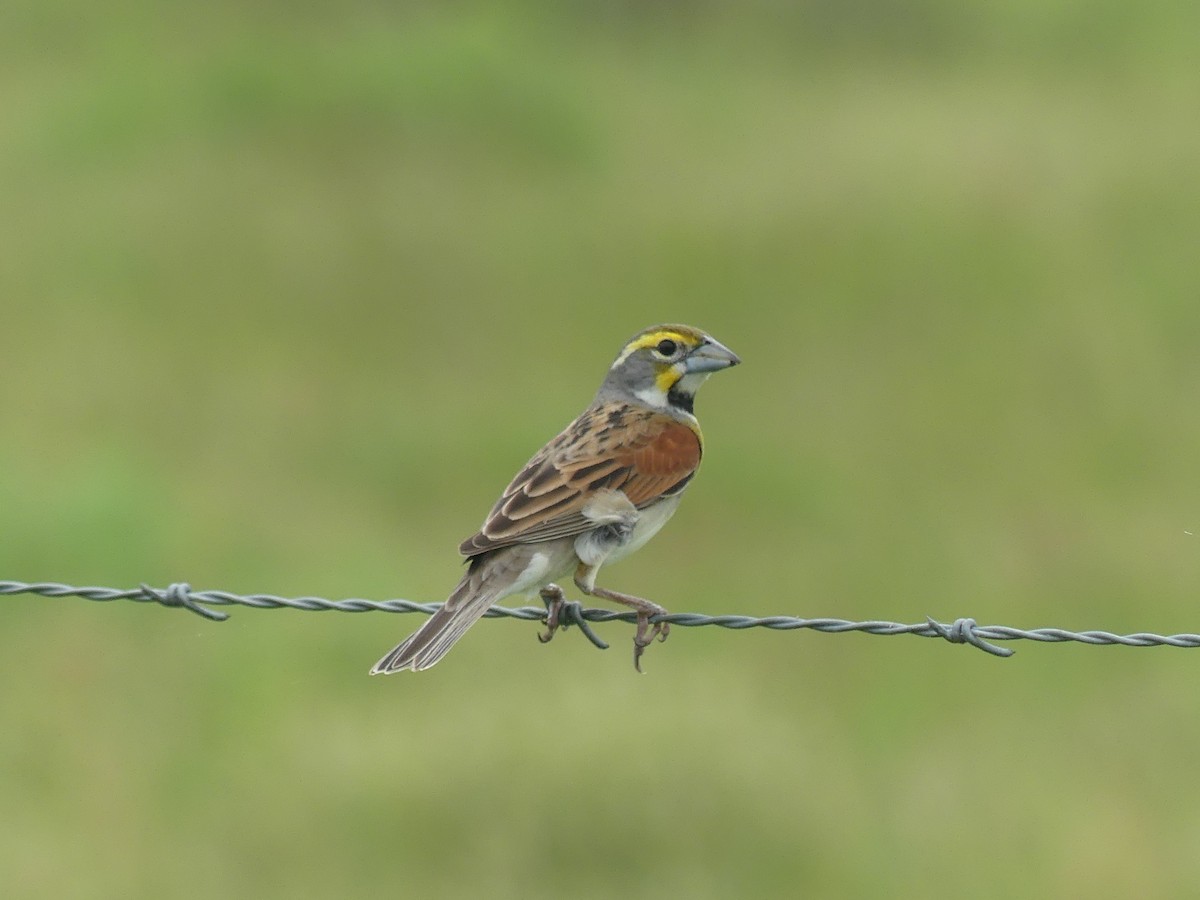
652,396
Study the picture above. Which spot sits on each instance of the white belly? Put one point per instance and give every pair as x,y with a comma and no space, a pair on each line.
649,522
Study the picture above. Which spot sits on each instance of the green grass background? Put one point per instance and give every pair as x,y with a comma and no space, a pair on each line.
288,291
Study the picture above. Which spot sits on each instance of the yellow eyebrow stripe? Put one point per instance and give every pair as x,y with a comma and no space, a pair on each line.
649,340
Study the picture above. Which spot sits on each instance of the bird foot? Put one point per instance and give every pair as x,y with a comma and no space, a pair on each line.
647,631
560,613
554,599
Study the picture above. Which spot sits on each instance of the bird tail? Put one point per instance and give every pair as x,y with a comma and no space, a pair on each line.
462,609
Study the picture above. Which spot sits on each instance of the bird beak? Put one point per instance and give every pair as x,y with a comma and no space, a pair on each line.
711,356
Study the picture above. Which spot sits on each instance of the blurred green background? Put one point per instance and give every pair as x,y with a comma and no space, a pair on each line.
289,291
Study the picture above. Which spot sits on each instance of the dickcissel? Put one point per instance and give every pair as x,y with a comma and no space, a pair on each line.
593,495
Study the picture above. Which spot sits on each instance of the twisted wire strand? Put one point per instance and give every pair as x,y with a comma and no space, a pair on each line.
960,631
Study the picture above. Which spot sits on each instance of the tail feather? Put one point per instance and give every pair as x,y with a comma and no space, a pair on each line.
433,640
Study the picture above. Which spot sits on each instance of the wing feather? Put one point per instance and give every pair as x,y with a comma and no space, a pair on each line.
645,453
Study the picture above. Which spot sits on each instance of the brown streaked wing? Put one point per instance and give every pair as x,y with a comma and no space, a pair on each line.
644,453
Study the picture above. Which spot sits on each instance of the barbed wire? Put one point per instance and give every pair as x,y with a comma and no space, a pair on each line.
960,631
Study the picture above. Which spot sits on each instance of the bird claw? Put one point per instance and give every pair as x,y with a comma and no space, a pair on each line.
560,613
552,596
646,634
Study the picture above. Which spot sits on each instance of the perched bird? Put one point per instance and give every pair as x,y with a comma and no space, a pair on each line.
593,495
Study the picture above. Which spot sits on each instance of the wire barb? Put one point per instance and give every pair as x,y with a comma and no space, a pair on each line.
179,594
562,613
960,631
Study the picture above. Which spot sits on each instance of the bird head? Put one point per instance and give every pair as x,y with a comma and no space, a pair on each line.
664,365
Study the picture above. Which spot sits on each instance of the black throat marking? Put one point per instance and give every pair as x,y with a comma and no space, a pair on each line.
681,399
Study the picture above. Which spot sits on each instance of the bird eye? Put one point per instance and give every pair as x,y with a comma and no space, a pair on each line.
666,347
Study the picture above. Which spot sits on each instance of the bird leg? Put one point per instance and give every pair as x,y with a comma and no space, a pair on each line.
585,577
